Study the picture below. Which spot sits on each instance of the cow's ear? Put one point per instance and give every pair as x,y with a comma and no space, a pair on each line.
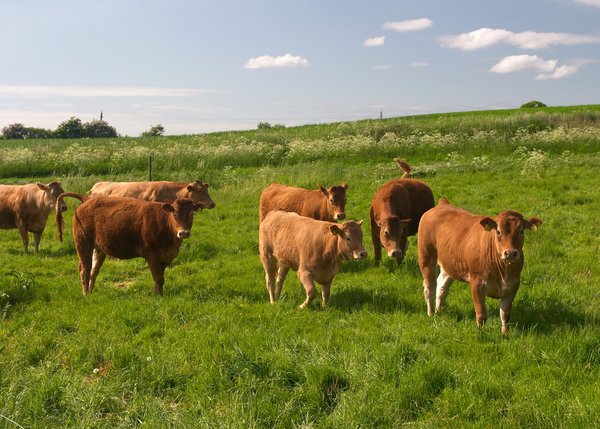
405,222
345,185
533,223
336,230
323,190
42,186
206,185
360,223
488,223
190,188
168,208
378,220
199,206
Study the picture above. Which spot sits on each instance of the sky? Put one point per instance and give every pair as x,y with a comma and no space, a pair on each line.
204,66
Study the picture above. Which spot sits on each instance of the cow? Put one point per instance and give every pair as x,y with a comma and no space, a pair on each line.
161,191
395,213
126,228
311,247
483,251
321,204
26,207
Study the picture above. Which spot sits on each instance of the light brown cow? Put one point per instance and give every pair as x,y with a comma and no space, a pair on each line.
396,211
161,192
127,228
485,252
26,207
321,204
311,247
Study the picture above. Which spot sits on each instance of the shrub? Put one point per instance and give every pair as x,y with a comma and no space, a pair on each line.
98,129
15,131
533,104
40,133
263,126
70,129
155,131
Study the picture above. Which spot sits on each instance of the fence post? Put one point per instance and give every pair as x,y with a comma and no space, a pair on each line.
149,169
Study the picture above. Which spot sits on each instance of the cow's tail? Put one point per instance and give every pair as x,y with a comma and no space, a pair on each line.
60,222
404,166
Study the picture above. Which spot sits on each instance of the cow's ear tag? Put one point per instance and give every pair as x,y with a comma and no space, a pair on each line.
487,227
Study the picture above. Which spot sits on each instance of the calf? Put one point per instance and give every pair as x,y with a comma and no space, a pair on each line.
162,192
26,207
311,247
321,204
485,252
127,228
395,213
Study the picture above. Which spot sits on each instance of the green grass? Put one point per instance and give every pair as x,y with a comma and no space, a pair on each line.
212,352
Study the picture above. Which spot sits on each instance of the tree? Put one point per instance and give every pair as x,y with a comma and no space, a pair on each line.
71,129
155,131
263,126
533,104
98,129
15,131
39,133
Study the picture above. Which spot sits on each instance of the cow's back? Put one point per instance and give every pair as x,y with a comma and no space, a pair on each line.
161,191
22,201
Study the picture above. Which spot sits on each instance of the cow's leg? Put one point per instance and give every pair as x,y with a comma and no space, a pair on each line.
443,287
36,241
85,265
306,278
506,308
158,274
24,236
326,288
375,231
270,266
478,293
427,264
98,258
281,275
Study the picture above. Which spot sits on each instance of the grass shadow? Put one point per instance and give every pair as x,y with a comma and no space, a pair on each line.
355,299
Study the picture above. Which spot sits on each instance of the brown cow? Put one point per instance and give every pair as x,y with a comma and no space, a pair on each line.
26,207
161,192
483,251
311,247
395,213
321,204
127,228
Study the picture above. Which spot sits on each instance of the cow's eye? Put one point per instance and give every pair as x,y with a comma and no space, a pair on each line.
387,233
348,239
345,199
499,236
521,232
331,200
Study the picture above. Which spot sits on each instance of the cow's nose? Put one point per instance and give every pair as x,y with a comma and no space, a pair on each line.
63,208
212,205
396,253
184,233
340,216
361,255
511,254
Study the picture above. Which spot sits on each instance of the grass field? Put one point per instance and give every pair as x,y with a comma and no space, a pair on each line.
212,352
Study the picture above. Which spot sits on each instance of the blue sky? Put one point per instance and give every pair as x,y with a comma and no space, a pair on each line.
197,66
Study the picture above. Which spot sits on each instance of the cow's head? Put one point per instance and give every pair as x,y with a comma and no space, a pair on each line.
199,193
51,192
183,213
336,200
509,227
350,239
393,233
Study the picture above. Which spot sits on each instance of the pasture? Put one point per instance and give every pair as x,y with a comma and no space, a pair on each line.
212,352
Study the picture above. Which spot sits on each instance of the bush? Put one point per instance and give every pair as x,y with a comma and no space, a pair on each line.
263,126
40,133
155,131
71,129
15,131
98,129
533,104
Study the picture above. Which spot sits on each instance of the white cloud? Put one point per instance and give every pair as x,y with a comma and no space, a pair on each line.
518,63
374,41
591,2
24,91
417,64
267,61
486,37
562,71
409,25
385,67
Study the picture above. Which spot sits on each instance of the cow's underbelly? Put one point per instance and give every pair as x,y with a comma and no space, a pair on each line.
457,270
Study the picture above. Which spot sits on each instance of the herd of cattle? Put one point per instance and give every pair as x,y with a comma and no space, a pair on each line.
298,230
